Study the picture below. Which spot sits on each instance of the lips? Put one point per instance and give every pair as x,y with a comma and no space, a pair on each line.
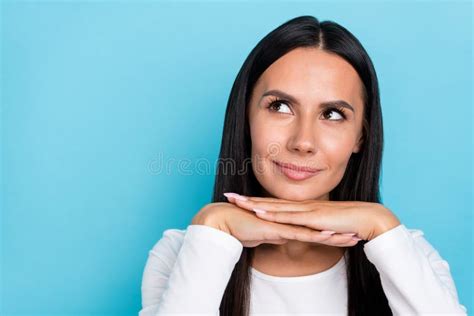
295,172
294,167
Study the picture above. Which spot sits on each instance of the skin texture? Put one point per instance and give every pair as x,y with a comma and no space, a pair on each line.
305,137
304,134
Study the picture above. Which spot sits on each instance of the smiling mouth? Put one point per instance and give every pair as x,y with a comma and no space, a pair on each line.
294,172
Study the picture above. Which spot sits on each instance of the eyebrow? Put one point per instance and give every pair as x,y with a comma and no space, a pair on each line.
292,99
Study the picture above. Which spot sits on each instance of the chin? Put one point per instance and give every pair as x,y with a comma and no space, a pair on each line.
294,194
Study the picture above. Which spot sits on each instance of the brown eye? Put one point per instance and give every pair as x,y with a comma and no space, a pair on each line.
339,111
276,106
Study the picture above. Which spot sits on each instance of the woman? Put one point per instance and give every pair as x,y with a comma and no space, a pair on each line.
296,224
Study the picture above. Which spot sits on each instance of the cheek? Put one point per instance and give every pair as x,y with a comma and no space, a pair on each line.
336,149
336,146
266,144
266,141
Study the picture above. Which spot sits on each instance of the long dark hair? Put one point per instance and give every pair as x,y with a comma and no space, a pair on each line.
360,181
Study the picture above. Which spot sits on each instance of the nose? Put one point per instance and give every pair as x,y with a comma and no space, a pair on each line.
302,140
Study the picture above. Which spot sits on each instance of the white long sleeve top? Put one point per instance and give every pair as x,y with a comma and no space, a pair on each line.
187,272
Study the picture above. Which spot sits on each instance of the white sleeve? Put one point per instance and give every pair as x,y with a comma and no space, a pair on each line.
188,274
415,278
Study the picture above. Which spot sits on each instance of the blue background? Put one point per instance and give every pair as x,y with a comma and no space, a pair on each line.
96,94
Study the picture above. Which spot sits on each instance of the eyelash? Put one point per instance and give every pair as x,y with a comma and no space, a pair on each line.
338,109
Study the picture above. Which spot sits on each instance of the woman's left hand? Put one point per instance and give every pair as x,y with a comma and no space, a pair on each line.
366,219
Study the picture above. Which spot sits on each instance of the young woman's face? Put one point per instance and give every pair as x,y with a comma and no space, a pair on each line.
305,130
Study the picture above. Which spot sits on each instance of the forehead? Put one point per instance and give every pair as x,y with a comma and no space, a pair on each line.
312,74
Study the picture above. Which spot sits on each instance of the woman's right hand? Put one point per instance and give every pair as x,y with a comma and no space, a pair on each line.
248,228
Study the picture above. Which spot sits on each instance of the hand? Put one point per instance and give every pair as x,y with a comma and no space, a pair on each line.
366,219
253,231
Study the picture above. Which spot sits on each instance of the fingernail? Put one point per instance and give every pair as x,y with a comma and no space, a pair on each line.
356,238
348,234
258,210
235,196
328,232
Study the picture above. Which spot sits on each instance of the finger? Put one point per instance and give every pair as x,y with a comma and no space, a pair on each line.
277,200
250,244
316,220
339,240
234,195
308,218
231,199
231,196
255,243
276,241
267,199
279,206
313,220
309,235
294,233
263,201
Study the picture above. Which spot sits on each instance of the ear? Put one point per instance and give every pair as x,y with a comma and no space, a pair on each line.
358,146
